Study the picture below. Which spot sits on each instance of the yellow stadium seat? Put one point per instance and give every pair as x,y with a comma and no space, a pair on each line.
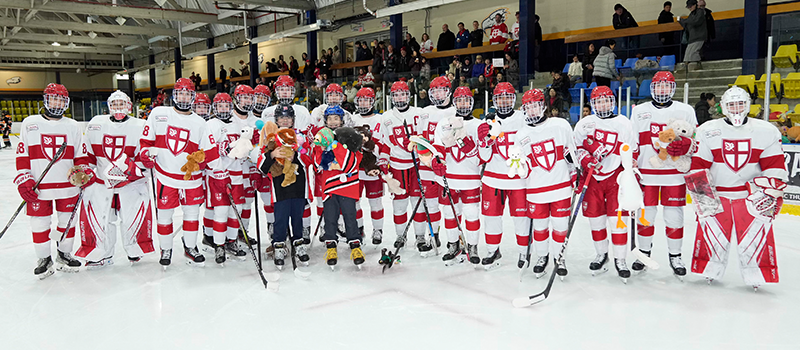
786,57
17,110
16,103
775,88
746,82
794,115
783,108
791,86
754,110
3,104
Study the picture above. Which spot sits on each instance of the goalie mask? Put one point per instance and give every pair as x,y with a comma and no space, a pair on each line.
439,93
603,101
119,105
735,104
334,95
243,99
183,95
223,106
365,101
401,95
463,101
262,97
284,89
56,99
202,106
504,97
662,87
533,106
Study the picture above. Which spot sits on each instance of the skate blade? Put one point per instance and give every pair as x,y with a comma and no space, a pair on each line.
624,280
238,258
561,278
359,267
195,264
601,271
538,275
96,267
455,261
279,267
221,264
333,267
164,268
639,272
427,254
67,269
491,266
46,274
679,277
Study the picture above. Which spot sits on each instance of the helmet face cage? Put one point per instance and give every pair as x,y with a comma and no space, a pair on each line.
401,98
285,94
603,106
183,98
262,101
334,98
662,91
364,104
56,104
534,112
202,109
504,102
736,111
244,102
439,95
223,109
463,105
119,107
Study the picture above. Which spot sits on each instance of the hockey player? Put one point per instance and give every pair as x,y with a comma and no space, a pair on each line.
547,143
170,137
371,184
665,182
202,106
498,188
598,138
461,168
262,99
333,96
119,191
244,101
746,165
259,182
397,125
41,136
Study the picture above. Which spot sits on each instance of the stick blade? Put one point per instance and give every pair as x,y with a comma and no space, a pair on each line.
649,262
301,274
273,286
272,277
528,301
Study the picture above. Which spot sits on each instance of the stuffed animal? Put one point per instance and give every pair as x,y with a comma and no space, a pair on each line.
495,131
268,129
793,134
326,140
350,139
286,139
78,177
369,162
629,196
425,150
242,146
664,138
453,132
515,162
193,164
675,129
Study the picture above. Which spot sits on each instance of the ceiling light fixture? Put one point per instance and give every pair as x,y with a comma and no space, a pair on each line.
92,35
55,43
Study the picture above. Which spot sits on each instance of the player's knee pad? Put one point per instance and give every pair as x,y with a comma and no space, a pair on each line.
650,213
673,217
522,225
39,223
598,223
221,213
494,224
63,218
165,216
471,211
375,204
614,224
400,206
191,212
560,224
541,224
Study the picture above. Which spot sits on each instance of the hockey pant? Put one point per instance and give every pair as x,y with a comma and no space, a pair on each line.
756,244
400,203
600,207
101,209
673,199
494,202
374,194
39,213
545,215
467,205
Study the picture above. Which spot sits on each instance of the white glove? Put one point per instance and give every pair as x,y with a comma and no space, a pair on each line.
766,197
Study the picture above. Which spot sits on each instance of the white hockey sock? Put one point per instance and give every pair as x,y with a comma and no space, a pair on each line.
191,214
674,245
376,213
40,226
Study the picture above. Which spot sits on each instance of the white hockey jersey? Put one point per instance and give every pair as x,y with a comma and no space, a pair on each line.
611,132
105,141
176,136
40,139
248,167
546,147
495,174
302,118
374,123
648,121
228,167
463,169
736,155
426,125
395,139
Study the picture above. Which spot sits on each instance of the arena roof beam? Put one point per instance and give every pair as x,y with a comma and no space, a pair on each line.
64,55
64,48
103,28
125,40
304,5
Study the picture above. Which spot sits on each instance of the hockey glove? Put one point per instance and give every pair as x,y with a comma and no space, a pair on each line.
467,145
766,197
438,167
483,134
679,147
596,149
25,186
587,160
383,164
146,160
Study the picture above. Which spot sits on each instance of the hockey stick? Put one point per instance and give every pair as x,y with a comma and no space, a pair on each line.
539,297
461,233
422,193
72,216
392,257
316,231
258,227
269,286
57,155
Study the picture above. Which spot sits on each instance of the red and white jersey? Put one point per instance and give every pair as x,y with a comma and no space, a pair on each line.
302,118
499,33
374,123
515,31
736,155
611,132
176,136
463,169
495,174
40,139
105,141
394,138
247,166
648,121
546,147
426,125
228,166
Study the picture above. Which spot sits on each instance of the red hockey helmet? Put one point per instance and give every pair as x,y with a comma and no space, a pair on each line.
662,87
56,99
243,97
439,91
504,97
365,100
334,94
223,106
262,97
401,95
463,101
284,89
533,106
183,94
603,101
202,105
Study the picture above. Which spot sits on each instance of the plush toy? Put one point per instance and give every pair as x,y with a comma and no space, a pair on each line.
495,131
425,150
629,195
793,134
285,139
453,132
351,140
675,129
515,162
664,138
326,141
368,160
192,164
266,131
78,177
242,146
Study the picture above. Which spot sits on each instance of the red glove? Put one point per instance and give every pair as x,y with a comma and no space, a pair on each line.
25,185
255,181
92,176
146,160
596,149
439,168
468,145
383,165
483,131
679,146
589,162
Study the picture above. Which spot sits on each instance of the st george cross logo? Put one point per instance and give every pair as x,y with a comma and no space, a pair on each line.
736,153
545,154
177,139
607,138
655,128
399,138
428,134
503,142
232,137
113,146
51,144
459,156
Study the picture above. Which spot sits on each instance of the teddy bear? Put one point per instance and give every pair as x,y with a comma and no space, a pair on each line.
515,162
369,162
286,139
793,134
453,132
424,149
326,141
193,164
675,129
242,146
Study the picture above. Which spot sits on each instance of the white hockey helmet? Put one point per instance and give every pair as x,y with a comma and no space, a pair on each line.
735,105
119,105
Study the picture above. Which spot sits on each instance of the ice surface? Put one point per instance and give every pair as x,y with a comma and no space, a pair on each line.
420,304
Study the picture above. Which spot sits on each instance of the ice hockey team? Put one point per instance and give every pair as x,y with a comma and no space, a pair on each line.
436,163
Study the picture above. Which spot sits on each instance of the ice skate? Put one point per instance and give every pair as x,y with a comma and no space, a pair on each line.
561,269
377,236
268,251
523,259
356,254
301,251
331,255
425,249
166,258
193,257
400,242
492,261
219,255
541,265
622,270
638,266
241,238
678,268
44,268
279,254
96,265
472,251
208,243
455,254
66,263
307,235
134,260
232,248
598,266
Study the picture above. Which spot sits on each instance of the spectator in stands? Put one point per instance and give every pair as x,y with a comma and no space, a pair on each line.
476,36
415,64
462,38
379,101
447,40
245,68
453,67
403,63
322,80
515,28
703,108
666,16
465,68
622,18
294,68
710,27
427,44
223,76
605,68
425,69
233,87
511,68
282,64
537,32
575,71
360,51
378,58
554,100
588,63
462,81
480,86
314,97
695,31
423,100
499,34
479,68
336,55
586,110
410,44
350,92
367,51
390,62
272,66
308,71
197,81
234,73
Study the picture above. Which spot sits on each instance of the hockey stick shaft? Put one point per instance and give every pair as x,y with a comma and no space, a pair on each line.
58,154
405,232
422,193
453,207
246,237
258,226
72,216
